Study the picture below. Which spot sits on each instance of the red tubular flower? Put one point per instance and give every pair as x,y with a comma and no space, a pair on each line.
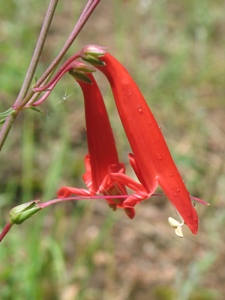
151,158
102,159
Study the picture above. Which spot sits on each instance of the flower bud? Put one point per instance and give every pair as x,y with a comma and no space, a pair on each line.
20,213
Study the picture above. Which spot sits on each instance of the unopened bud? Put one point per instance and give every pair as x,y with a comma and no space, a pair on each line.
22,212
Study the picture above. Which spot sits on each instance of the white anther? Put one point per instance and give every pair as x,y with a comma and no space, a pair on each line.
179,232
173,223
177,225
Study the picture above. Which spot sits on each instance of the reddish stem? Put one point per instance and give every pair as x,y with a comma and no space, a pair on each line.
59,200
5,231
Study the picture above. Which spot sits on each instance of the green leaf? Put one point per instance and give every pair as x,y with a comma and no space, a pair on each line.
36,109
7,112
2,121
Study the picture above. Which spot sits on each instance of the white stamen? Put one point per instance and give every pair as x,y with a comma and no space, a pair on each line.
173,223
179,232
177,225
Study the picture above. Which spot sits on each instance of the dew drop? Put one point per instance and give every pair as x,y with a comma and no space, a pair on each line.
175,194
140,109
171,174
160,157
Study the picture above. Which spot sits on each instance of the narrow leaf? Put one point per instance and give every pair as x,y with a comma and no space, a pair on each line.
7,112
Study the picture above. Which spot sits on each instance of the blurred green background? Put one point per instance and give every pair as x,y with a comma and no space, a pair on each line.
175,52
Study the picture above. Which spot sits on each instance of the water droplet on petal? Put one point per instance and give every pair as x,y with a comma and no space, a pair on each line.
160,157
140,109
171,174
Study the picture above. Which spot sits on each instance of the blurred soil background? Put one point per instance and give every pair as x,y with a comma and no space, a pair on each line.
175,52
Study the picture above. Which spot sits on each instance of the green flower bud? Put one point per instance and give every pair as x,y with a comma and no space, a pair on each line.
20,213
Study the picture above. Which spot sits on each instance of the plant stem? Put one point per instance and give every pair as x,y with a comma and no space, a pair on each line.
88,10
77,198
87,197
24,95
37,53
5,231
30,73
6,129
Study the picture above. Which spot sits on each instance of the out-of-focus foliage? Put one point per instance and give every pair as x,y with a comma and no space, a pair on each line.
175,52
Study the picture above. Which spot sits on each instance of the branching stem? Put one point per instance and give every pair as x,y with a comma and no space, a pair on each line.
25,95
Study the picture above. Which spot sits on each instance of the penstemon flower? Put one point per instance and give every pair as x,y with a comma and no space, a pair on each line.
151,158
102,165
102,159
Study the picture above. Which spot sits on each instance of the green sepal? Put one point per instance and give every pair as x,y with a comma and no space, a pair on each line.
93,60
8,112
81,67
20,213
80,76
